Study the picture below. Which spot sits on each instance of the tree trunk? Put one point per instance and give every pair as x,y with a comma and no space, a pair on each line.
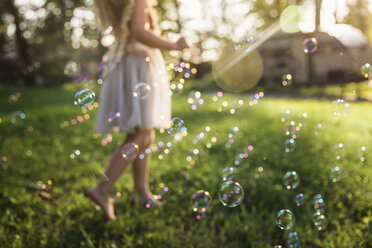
361,5
22,46
318,6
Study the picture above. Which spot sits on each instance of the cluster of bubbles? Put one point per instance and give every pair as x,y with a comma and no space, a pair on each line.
14,97
162,192
231,136
113,117
195,100
318,218
84,116
106,140
18,118
178,74
287,79
292,128
366,70
340,107
160,149
3,161
75,154
363,155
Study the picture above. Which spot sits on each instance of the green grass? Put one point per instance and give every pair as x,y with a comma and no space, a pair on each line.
39,150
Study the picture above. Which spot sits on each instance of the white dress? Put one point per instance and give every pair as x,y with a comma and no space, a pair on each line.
140,64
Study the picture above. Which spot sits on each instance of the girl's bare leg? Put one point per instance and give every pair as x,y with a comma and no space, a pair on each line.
101,193
141,171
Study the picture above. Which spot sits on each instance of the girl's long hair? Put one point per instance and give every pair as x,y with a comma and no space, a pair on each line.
109,13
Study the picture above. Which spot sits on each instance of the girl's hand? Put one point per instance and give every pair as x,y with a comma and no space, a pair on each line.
182,43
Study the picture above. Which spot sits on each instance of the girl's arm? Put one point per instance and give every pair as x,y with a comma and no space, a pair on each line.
138,31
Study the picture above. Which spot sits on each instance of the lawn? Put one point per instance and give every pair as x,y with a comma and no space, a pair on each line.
44,177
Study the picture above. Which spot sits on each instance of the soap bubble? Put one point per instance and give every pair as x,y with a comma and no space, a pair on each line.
242,157
18,118
290,19
300,200
291,180
162,191
195,99
285,219
113,117
3,162
237,71
293,240
287,80
289,145
84,98
310,45
363,155
142,91
244,44
319,220
231,194
339,150
130,151
228,174
336,174
176,88
200,201
75,154
366,70
71,69
177,128
318,129
14,97
340,107
318,202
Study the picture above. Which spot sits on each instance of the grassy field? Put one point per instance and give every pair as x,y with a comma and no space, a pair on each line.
40,153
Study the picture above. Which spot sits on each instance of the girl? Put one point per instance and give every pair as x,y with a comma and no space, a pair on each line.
134,58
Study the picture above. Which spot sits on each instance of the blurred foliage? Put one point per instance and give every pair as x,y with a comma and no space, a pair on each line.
51,43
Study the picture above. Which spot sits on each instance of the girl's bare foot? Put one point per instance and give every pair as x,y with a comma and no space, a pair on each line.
104,201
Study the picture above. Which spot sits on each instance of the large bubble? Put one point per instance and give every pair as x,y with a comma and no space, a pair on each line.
130,151
290,19
300,200
231,194
18,118
291,180
335,174
142,91
319,220
236,70
177,128
293,240
84,98
285,219
200,201
310,45
228,174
